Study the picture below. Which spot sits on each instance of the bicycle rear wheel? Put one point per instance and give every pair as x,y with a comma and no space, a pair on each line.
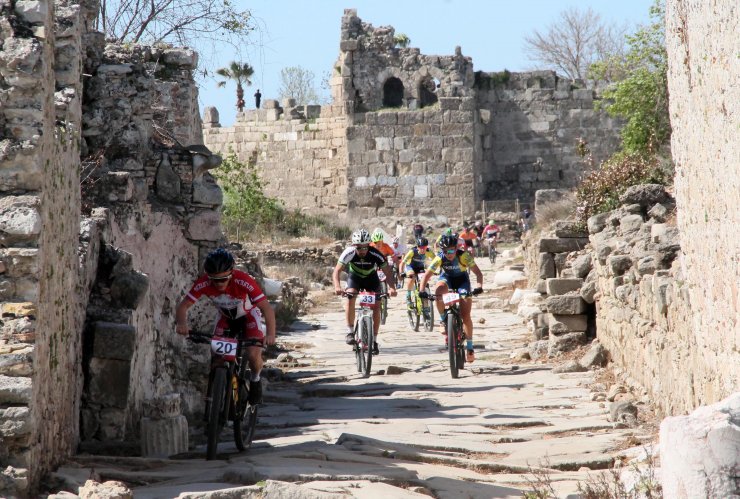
215,413
366,336
452,347
360,360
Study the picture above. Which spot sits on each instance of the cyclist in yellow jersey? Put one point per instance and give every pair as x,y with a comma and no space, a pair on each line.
414,263
453,265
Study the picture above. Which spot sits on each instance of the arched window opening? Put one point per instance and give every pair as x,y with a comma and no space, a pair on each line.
428,91
392,92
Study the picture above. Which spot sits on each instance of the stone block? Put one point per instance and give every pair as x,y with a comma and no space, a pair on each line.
699,452
564,228
565,305
619,264
558,344
450,103
164,437
559,286
15,422
128,289
113,341
630,223
562,245
270,104
17,363
560,324
109,382
15,390
546,266
206,191
205,226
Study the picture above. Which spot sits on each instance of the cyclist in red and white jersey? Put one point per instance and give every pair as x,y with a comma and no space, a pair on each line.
241,303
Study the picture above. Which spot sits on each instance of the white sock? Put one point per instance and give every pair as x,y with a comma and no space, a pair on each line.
255,377
350,330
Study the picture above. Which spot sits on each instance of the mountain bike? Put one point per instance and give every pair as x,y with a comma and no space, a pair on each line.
454,327
420,308
384,299
227,397
491,250
364,337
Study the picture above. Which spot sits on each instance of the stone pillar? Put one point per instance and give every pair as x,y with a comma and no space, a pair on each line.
700,453
164,430
211,118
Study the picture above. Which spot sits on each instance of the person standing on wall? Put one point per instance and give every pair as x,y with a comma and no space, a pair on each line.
257,98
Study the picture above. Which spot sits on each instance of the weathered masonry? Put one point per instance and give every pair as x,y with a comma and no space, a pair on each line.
413,134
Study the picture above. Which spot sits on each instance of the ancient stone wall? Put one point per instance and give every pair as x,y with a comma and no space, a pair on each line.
407,163
300,152
423,135
530,127
162,217
703,78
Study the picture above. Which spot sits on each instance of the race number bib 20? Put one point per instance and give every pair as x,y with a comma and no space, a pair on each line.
224,347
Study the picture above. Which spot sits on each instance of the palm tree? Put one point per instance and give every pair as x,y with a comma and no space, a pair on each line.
239,72
402,40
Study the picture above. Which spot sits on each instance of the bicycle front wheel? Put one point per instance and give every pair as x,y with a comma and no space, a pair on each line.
245,418
428,312
413,312
359,358
367,340
452,347
215,413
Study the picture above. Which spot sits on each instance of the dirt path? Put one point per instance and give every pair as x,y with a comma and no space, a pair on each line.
413,434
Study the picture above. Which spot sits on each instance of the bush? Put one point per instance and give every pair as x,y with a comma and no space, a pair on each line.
600,189
250,215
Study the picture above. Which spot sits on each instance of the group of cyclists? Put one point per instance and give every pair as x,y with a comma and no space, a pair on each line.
451,256
243,305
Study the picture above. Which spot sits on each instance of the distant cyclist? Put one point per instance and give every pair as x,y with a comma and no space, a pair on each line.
453,265
470,237
491,233
240,301
418,231
414,264
361,262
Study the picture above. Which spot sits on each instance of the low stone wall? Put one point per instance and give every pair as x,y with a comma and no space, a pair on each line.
631,271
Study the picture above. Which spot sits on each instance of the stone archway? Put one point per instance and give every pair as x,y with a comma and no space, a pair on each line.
393,92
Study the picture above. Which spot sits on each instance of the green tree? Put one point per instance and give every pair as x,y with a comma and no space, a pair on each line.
298,83
402,40
641,96
245,205
241,74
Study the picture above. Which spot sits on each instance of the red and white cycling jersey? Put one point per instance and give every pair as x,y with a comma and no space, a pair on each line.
240,296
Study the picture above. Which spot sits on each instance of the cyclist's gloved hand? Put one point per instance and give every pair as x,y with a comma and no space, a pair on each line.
477,291
423,294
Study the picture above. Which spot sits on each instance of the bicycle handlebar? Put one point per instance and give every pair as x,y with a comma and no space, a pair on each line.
352,295
462,293
205,338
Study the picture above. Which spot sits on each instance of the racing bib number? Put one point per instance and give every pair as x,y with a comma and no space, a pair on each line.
366,300
225,347
450,299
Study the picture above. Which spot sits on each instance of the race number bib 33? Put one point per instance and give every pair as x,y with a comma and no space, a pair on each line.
366,300
224,347
450,299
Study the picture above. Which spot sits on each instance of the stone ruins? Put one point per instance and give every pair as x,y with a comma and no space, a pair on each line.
410,134
107,208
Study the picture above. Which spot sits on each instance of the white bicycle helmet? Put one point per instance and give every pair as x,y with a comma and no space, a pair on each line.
361,236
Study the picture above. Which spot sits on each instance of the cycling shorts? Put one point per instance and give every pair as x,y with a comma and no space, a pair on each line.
457,282
250,325
468,243
370,283
416,269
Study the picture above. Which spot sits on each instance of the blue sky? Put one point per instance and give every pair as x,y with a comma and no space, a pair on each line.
306,33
